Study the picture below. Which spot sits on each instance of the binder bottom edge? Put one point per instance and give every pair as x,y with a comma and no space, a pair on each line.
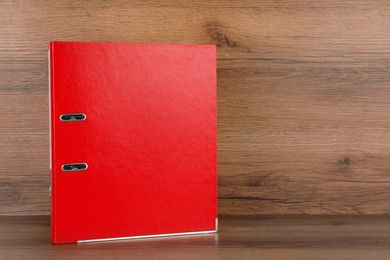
145,236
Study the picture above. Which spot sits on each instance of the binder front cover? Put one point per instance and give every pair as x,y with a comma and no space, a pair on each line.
133,140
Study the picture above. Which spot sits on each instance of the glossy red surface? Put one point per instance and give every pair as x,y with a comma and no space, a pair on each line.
149,139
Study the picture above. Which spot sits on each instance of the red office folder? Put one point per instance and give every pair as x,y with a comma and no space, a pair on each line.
133,140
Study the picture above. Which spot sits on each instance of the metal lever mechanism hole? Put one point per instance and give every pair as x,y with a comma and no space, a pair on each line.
74,167
73,117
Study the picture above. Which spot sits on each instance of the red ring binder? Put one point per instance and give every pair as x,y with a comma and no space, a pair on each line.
133,140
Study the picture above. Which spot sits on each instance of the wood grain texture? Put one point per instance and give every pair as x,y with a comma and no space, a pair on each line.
294,237
303,96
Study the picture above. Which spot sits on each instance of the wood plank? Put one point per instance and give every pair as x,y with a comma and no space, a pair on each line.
309,30
309,138
303,111
257,237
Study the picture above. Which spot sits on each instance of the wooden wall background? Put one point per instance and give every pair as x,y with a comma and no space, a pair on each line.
303,95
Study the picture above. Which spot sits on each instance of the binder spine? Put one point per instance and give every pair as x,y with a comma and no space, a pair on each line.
50,145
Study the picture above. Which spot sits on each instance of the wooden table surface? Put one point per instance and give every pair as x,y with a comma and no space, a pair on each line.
265,237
